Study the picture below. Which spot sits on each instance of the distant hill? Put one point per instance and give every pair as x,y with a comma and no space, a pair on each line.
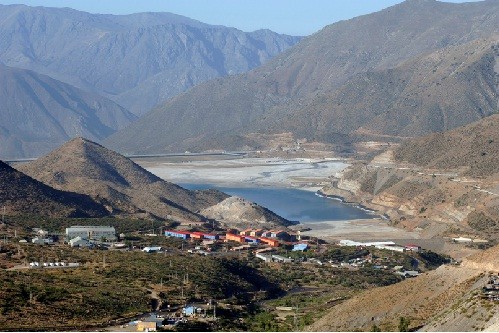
20,194
38,113
136,60
340,81
474,147
127,189
239,213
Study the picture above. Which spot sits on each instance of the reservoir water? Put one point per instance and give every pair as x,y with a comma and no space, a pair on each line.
293,204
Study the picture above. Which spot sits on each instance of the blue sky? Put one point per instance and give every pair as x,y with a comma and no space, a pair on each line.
293,17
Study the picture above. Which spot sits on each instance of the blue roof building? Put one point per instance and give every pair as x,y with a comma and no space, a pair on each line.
178,234
300,247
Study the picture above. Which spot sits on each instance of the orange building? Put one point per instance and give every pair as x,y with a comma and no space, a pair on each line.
236,238
271,242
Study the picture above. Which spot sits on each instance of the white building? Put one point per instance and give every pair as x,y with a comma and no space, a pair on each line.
91,232
79,242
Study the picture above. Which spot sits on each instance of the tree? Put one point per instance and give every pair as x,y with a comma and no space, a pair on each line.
404,324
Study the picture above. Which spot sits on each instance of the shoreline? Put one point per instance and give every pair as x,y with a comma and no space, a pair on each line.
287,174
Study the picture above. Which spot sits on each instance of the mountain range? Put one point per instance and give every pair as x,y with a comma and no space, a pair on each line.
137,60
411,69
38,113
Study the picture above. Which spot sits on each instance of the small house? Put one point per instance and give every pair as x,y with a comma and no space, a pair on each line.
269,241
413,248
79,242
190,310
235,238
246,232
256,233
177,234
300,247
251,240
146,326
151,249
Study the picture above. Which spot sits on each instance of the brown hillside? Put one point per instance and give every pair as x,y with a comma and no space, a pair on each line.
474,147
278,92
20,194
424,300
126,188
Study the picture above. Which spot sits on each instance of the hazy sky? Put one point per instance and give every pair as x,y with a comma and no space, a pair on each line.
293,17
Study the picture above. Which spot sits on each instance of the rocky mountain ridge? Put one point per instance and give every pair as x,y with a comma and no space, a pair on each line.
137,60
39,113
325,86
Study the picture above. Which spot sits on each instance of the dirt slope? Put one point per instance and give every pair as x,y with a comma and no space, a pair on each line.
426,300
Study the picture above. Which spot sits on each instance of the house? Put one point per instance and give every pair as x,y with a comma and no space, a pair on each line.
281,234
279,258
246,232
190,310
79,242
151,249
269,241
177,234
197,235
256,233
147,326
235,238
266,233
413,248
42,241
251,240
266,258
300,247
210,236
91,232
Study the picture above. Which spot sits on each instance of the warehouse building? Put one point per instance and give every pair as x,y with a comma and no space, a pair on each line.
91,232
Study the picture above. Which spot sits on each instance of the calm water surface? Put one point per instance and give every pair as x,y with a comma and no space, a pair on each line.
293,204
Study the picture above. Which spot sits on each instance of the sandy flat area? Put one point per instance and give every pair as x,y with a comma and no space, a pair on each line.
299,172
359,230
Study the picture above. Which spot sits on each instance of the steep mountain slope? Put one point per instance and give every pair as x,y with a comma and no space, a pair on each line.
39,113
313,70
474,147
445,89
444,299
137,60
124,187
20,194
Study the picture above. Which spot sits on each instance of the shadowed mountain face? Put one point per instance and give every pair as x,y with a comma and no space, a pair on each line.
38,113
136,60
388,73
124,187
20,194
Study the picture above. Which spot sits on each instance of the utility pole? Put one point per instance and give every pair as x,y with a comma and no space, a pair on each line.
3,214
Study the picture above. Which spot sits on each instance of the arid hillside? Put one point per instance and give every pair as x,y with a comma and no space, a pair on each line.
124,187
447,299
474,148
23,195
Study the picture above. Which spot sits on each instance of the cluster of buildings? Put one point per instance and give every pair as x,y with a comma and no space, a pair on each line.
271,238
84,236
491,289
